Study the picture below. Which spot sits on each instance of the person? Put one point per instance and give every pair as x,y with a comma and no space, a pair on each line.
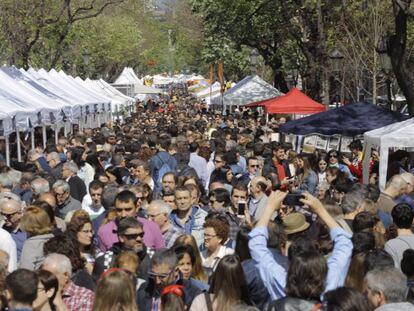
172,298
39,186
80,229
141,171
272,272
346,299
355,163
408,195
126,205
307,178
320,169
48,298
130,234
55,164
168,196
258,200
76,185
21,289
75,298
403,216
169,181
85,171
159,212
36,223
186,217
333,158
386,290
278,164
228,287
216,230
164,272
92,202
253,171
63,244
198,163
115,291
197,272
65,202
393,190
11,208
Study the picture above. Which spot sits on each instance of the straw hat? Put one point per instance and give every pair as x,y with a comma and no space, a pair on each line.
294,223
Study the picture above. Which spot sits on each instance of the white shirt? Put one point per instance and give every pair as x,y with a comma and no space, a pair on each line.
89,208
199,164
8,245
211,266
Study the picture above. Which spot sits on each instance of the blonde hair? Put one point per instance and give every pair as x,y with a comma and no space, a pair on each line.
115,292
126,260
36,221
198,271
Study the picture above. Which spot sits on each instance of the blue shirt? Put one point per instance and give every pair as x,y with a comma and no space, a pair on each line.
19,238
273,273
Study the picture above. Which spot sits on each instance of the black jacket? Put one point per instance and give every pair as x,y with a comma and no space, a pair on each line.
147,292
269,167
107,260
77,188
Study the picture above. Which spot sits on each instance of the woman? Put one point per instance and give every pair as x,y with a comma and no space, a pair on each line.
216,231
115,291
304,295
36,223
186,260
197,272
80,229
355,277
333,158
86,171
227,288
307,178
321,167
64,245
48,296
129,261
172,298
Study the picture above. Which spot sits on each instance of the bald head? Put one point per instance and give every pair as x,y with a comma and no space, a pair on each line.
49,198
397,185
258,186
12,211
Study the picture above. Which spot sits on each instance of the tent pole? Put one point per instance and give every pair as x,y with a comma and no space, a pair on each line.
267,117
99,120
56,133
65,129
7,150
19,147
44,136
365,164
32,138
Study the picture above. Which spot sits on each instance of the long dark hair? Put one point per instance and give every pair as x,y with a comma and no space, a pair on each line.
228,284
49,281
306,276
346,299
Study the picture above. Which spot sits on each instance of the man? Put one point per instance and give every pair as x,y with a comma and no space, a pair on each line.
258,200
168,196
352,205
108,196
118,162
39,186
53,159
25,187
21,289
277,164
127,205
164,272
402,216
159,212
130,234
50,199
239,194
11,209
77,186
394,189
386,290
199,164
186,217
76,298
160,160
408,195
252,171
65,202
169,182
355,164
92,202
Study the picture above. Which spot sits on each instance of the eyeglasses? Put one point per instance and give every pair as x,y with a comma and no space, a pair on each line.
60,194
8,216
154,275
333,156
153,215
209,236
134,236
140,198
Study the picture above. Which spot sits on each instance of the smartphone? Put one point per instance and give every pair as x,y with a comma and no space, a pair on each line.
240,208
293,199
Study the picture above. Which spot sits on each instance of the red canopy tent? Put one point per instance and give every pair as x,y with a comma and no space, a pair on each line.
294,102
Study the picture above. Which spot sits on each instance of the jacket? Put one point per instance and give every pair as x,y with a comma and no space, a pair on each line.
269,167
194,224
156,162
32,252
400,306
147,292
294,304
77,188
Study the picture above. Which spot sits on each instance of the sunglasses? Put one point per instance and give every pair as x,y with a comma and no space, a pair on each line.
257,165
134,236
8,216
333,156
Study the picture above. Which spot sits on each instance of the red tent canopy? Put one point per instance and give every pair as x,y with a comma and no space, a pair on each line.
294,102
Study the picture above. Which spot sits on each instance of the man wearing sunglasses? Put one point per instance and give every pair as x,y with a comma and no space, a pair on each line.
163,272
127,205
131,238
253,170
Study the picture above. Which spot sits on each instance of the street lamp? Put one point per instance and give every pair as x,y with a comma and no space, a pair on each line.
86,60
386,65
253,61
336,58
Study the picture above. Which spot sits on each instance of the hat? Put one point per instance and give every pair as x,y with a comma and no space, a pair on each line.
295,223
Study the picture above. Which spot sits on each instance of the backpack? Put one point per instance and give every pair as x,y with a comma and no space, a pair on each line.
164,169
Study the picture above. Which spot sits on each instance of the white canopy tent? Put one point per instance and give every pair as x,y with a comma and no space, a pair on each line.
210,90
128,77
250,89
398,135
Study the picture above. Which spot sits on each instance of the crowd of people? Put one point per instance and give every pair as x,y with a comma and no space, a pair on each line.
179,208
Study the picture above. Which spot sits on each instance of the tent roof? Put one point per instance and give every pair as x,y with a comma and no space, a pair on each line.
349,120
294,102
143,89
250,89
128,77
396,135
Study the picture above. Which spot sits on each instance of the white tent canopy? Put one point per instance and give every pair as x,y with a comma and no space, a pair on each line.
127,77
248,90
143,89
210,90
398,135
